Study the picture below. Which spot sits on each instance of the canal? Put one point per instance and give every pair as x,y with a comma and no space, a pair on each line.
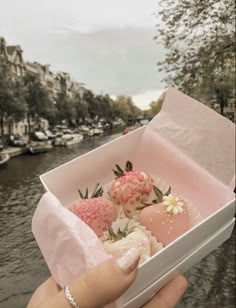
22,267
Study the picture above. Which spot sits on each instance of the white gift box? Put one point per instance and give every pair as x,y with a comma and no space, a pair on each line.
188,146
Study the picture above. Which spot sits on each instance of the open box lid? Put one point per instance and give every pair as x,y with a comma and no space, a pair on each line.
200,132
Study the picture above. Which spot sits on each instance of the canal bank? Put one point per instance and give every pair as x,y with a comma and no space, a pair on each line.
15,151
211,282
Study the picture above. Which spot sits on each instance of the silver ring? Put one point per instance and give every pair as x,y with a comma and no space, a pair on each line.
70,298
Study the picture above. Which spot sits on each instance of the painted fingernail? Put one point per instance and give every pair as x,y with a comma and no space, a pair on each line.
129,260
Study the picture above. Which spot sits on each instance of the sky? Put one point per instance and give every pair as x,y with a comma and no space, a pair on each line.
108,44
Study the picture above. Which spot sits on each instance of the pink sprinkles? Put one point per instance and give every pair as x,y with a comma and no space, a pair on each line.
133,182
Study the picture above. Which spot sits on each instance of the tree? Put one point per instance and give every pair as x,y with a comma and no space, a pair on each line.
105,107
81,108
199,37
93,106
12,98
126,108
65,108
155,106
39,103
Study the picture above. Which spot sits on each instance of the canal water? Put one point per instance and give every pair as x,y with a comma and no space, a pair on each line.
22,268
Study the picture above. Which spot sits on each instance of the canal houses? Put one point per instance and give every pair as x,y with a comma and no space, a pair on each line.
53,82
13,57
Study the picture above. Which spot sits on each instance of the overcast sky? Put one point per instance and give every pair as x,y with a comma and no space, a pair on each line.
106,44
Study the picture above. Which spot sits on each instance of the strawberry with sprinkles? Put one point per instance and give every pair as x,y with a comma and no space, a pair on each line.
96,211
130,189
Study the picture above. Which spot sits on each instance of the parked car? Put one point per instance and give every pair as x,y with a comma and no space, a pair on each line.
16,141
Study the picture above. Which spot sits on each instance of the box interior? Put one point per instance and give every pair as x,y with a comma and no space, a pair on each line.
150,152
91,168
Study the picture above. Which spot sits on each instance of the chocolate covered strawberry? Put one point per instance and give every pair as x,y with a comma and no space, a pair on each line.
125,233
96,211
131,189
167,219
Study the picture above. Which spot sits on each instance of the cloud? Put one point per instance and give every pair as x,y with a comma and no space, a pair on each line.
121,61
108,45
143,100
78,15
92,16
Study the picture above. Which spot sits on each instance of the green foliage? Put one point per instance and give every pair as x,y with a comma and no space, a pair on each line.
125,108
12,97
65,108
155,106
28,97
38,100
81,108
199,37
92,105
105,107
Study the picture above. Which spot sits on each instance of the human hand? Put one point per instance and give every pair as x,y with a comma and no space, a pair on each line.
104,284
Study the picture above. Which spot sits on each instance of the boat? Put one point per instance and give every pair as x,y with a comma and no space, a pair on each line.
38,136
86,130
98,131
129,129
16,141
68,139
39,147
4,157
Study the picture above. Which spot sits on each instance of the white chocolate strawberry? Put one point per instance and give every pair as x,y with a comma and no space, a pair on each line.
117,241
166,220
96,211
130,189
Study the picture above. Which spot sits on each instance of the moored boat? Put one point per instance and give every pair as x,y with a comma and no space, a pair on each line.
98,131
129,129
39,147
4,157
68,139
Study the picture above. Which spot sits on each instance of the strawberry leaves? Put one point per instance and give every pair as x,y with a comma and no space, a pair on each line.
116,236
97,192
167,192
128,166
85,196
159,194
119,172
159,197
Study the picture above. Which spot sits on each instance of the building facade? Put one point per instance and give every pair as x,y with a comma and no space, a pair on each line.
54,82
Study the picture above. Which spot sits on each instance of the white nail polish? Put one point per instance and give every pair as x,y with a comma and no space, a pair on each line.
129,260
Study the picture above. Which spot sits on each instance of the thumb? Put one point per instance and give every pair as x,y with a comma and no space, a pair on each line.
101,285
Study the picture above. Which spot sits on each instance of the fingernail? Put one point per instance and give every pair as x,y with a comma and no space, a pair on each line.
129,260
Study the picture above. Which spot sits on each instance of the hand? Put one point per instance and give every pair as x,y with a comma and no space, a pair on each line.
104,284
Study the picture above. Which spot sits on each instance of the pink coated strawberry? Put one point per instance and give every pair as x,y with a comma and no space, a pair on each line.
96,211
166,220
130,189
